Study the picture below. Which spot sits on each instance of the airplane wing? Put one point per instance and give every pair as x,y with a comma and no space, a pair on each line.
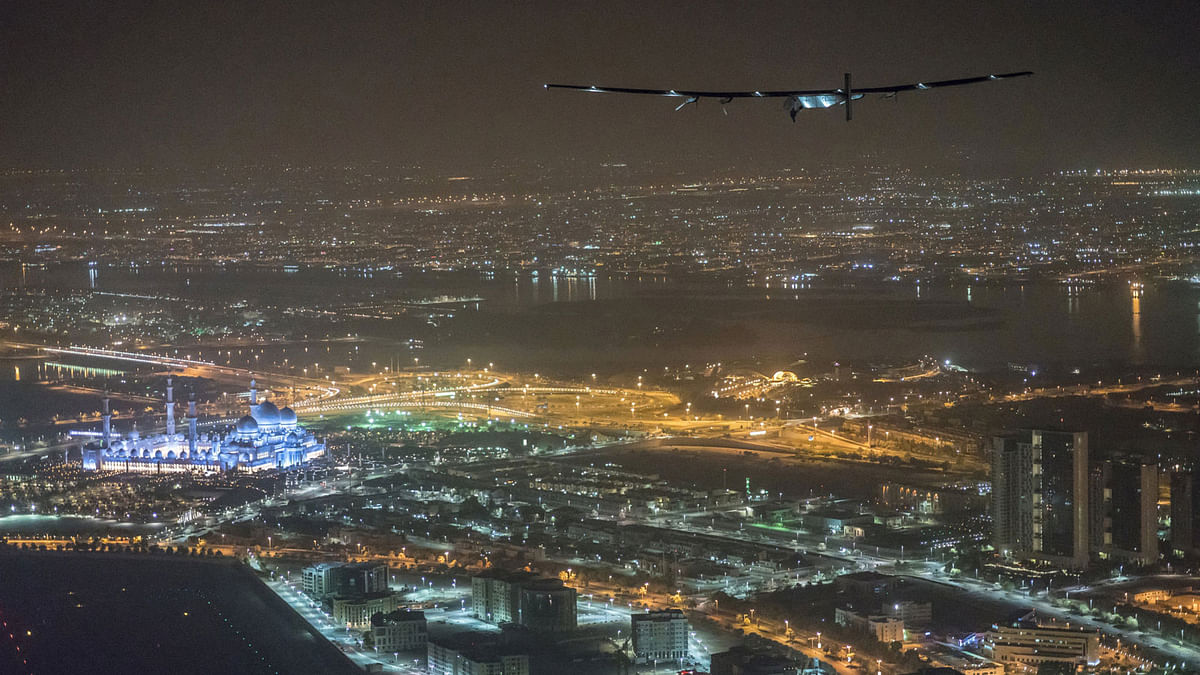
796,100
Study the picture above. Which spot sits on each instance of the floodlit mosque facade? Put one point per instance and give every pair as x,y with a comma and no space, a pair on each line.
267,438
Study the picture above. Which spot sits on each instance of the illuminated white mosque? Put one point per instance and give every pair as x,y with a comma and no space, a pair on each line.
267,438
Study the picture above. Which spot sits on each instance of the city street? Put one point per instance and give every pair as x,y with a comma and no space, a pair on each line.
340,635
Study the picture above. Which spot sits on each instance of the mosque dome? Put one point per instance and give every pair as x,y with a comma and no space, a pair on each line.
292,439
287,416
266,414
247,425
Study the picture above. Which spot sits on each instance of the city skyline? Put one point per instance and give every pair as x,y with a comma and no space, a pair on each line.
332,341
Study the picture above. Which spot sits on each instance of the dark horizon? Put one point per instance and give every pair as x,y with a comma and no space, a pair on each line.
449,84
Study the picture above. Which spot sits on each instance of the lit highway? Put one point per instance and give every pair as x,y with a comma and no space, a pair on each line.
135,357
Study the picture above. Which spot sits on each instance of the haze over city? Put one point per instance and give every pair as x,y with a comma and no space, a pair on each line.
453,83
332,340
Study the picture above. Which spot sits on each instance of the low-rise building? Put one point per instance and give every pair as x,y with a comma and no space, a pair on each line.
1152,596
865,584
543,605
832,521
399,631
315,579
777,511
742,660
1029,644
660,636
547,606
496,595
324,580
966,663
914,613
356,611
474,654
885,629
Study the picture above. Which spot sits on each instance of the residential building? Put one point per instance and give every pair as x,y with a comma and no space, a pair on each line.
547,606
913,613
356,611
496,595
399,631
474,654
1185,525
1012,493
660,636
542,605
1123,503
885,629
1040,496
1152,596
325,580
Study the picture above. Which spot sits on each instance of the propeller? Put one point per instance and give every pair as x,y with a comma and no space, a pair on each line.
693,99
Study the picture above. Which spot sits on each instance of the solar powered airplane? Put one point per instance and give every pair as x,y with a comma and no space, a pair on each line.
795,101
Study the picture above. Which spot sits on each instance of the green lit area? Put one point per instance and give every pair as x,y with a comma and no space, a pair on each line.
774,527
407,420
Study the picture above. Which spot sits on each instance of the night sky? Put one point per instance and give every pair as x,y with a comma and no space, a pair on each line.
445,83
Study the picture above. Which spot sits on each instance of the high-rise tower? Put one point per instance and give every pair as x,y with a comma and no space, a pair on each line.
1012,493
1185,526
1040,496
1123,501
1060,468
